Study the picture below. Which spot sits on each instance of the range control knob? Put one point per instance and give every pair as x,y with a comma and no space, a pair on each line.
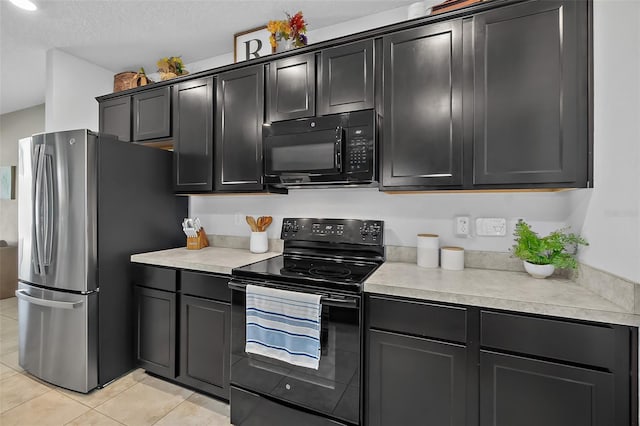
286,227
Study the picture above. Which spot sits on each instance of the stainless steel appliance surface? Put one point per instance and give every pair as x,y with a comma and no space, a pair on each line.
332,258
78,193
334,150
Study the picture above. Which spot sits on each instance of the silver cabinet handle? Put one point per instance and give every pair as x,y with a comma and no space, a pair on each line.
22,294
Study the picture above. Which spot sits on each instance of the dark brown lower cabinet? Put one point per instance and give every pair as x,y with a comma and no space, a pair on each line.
204,344
183,328
415,381
156,331
522,391
430,363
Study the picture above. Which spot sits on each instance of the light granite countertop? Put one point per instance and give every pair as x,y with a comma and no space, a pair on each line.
513,291
209,259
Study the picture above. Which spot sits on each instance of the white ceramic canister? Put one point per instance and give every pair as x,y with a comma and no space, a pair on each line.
427,249
259,243
452,258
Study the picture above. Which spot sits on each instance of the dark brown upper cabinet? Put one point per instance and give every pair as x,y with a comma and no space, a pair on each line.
531,95
291,88
193,135
346,78
238,130
422,126
115,117
152,114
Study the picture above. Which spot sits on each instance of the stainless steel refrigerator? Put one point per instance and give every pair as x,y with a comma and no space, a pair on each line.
86,202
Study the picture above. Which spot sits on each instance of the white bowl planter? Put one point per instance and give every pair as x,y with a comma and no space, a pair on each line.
538,271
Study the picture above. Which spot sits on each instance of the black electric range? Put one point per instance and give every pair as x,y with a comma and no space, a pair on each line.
332,258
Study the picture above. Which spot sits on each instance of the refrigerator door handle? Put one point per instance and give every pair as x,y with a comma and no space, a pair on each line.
39,160
48,206
22,294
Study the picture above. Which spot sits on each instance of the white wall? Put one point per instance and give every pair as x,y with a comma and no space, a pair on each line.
72,85
609,214
404,215
318,35
14,126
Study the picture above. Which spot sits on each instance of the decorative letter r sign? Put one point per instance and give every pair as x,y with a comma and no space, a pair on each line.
251,44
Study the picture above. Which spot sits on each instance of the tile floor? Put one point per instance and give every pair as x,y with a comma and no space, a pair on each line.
136,399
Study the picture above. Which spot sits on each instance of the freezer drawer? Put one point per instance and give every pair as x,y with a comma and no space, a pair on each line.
58,336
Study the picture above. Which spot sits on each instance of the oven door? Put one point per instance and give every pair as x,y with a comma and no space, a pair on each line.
334,389
311,153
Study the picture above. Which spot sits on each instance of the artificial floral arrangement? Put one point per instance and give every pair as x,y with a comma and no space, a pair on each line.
549,250
171,67
293,28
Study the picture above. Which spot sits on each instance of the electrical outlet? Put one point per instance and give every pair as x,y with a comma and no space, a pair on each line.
491,226
462,224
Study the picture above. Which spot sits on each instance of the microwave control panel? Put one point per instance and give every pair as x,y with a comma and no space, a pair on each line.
359,150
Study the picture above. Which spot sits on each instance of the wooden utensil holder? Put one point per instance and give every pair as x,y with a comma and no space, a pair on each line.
196,243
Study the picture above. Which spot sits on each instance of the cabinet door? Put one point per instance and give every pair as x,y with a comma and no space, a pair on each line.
239,119
422,141
415,381
346,78
204,344
193,135
152,114
526,392
291,89
531,118
156,331
115,117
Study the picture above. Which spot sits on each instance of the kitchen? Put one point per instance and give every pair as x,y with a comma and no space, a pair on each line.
606,215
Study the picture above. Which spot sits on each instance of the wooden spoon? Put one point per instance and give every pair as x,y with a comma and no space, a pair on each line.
266,222
252,223
260,224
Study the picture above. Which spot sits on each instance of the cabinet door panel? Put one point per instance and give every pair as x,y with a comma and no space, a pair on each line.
115,118
422,143
292,88
204,345
346,78
193,141
415,381
239,119
530,95
526,392
152,114
156,337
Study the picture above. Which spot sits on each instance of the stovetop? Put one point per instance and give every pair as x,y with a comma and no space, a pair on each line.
323,253
315,272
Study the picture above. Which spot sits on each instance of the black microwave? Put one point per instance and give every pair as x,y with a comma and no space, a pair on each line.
337,149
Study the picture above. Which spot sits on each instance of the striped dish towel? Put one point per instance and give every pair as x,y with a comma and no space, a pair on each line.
284,325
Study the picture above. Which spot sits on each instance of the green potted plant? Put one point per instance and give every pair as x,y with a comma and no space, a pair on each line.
541,255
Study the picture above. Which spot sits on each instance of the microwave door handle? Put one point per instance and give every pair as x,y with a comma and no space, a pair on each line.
338,148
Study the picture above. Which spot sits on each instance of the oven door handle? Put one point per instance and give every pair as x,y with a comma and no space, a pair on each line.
325,299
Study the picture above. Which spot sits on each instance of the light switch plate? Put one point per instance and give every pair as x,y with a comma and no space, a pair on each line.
491,226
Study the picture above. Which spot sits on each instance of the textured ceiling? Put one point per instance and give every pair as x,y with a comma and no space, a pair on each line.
123,35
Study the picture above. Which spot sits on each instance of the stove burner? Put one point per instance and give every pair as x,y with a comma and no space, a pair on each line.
330,271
